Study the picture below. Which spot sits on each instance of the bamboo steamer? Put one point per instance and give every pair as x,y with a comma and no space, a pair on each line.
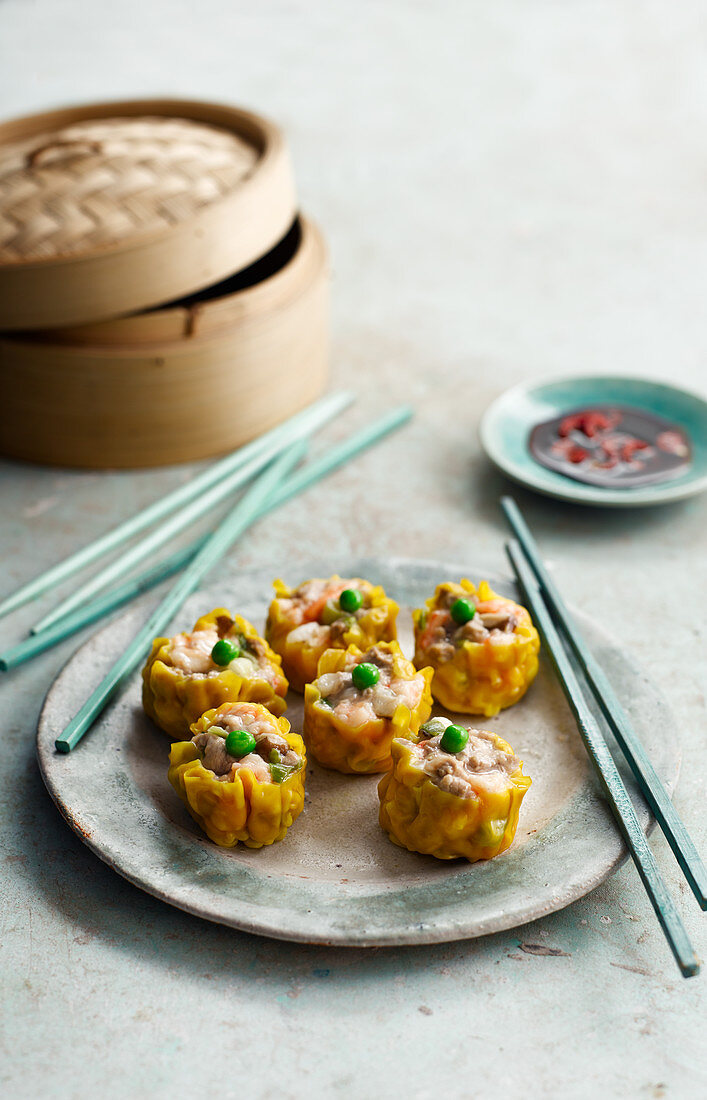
191,380
115,207
109,211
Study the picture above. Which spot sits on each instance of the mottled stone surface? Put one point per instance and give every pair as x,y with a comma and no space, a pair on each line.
510,190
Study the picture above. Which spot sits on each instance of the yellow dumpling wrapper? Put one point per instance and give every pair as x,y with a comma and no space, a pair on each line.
417,815
361,749
174,699
482,677
239,810
300,657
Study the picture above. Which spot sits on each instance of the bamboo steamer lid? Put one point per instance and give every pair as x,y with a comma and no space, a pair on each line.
113,208
188,381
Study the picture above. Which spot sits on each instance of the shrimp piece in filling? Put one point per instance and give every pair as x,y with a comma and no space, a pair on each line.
321,614
456,792
359,702
483,648
241,776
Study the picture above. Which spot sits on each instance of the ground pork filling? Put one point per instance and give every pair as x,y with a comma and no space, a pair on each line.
460,773
271,748
191,654
496,620
380,701
316,603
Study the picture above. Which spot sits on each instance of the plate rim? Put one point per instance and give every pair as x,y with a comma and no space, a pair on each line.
578,492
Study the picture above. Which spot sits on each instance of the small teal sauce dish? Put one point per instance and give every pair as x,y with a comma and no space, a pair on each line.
507,424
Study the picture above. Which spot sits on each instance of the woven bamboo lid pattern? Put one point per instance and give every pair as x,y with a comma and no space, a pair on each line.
99,182
110,209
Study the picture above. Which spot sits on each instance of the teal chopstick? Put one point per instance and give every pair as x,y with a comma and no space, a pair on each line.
605,768
216,545
636,756
261,503
165,533
294,428
97,609
297,483
340,454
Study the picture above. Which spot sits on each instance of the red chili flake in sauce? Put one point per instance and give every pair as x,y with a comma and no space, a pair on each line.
589,423
611,446
630,447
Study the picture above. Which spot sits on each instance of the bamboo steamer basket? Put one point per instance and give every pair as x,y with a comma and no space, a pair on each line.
184,382
111,208
109,211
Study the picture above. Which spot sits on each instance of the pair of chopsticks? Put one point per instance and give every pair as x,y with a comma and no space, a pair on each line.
188,502
96,609
273,456
273,487
550,613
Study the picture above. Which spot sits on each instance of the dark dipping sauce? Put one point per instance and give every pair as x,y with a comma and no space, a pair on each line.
611,446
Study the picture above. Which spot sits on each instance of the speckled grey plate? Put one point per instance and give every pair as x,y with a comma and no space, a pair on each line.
336,878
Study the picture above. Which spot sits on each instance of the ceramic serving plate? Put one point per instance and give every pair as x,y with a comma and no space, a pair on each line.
336,878
508,422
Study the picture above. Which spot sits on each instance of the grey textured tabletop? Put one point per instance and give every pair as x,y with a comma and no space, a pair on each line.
509,191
